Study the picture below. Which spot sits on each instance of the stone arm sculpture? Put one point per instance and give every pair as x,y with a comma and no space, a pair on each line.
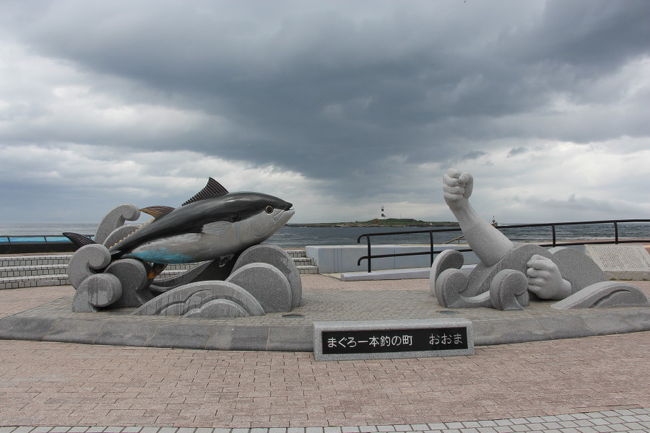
490,245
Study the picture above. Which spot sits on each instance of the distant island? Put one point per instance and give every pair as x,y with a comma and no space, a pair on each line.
384,222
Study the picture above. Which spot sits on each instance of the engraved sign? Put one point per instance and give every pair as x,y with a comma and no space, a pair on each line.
621,261
392,339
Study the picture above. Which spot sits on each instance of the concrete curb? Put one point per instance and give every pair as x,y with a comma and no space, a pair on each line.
54,321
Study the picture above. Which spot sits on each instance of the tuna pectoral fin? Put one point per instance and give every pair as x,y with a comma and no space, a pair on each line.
157,211
79,240
155,270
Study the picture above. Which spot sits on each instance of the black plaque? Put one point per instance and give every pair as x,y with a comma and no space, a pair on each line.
368,341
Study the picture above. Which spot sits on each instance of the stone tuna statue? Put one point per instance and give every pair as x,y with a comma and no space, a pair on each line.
220,231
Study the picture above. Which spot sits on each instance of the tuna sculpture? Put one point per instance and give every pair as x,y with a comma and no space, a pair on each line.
212,224
221,230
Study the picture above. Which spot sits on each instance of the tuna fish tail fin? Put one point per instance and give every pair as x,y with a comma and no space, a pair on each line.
79,240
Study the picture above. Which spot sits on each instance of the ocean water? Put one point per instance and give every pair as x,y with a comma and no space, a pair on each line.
301,236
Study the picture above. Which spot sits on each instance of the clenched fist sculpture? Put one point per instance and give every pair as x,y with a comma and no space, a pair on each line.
508,274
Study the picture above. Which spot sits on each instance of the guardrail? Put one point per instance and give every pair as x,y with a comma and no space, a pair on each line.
431,251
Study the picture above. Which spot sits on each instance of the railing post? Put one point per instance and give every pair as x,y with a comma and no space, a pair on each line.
369,254
431,245
616,232
553,229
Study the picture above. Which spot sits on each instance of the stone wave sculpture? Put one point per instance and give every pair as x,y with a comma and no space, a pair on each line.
220,231
510,275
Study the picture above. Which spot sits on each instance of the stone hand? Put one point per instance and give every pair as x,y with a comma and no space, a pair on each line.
545,280
457,188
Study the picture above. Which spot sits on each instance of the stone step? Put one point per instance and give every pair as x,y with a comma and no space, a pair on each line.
303,261
32,270
34,260
50,270
34,281
307,269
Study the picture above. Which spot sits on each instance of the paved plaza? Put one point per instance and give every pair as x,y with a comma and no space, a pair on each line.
592,384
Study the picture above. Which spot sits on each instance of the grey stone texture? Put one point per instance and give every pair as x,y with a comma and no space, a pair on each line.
454,289
103,289
217,309
510,272
181,300
603,295
266,283
114,219
621,262
577,268
86,261
444,260
449,287
275,256
133,278
96,291
517,259
118,234
509,290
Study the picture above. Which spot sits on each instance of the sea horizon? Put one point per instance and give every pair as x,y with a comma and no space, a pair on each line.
300,236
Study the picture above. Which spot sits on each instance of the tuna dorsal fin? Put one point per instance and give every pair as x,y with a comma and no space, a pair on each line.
79,240
157,211
212,189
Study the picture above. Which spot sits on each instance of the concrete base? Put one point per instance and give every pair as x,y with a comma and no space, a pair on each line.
293,331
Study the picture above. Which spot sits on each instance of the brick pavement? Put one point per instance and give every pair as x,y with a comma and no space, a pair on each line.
519,387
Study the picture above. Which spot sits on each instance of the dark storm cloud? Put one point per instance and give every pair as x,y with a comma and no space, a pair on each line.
335,90
311,86
595,35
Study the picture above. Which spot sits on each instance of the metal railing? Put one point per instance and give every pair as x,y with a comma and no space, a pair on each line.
11,244
431,250
21,239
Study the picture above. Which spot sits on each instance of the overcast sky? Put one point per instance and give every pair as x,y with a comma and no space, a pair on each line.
337,106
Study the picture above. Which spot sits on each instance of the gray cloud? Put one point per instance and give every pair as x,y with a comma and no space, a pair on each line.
473,154
517,151
348,95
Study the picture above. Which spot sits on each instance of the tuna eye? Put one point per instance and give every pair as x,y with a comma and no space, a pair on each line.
268,209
